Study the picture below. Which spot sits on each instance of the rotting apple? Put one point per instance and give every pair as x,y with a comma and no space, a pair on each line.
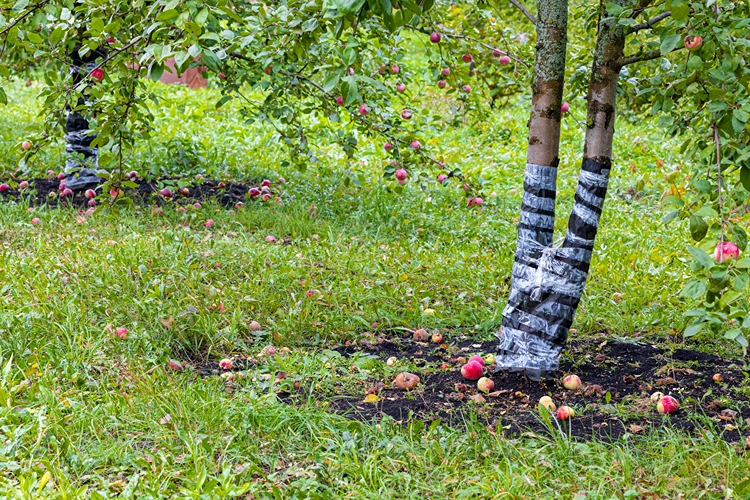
565,412
571,382
406,381
548,403
485,384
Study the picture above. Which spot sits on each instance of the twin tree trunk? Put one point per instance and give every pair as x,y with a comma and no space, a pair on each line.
548,281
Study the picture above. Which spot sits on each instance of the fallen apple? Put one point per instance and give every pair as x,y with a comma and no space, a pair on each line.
254,326
565,412
477,359
547,402
485,384
391,361
90,193
571,382
437,338
489,359
718,378
421,335
175,365
4,187
655,397
667,405
23,185
225,364
35,221
271,239
471,371
406,381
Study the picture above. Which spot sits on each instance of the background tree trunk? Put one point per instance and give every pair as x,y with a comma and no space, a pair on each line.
521,330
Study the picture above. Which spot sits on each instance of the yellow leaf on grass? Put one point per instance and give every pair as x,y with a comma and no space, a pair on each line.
371,398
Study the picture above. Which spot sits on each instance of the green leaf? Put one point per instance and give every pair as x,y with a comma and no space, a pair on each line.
745,177
740,236
613,9
698,227
344,6
733,334
3,97
707,211
156,71
680,10
669,43
743,263
20,5
167,14
701,257
693,330
56,35
210,59
694,289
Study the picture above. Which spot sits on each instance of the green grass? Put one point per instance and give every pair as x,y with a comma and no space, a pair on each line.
91,414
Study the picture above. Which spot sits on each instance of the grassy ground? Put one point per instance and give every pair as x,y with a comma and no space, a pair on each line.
84,414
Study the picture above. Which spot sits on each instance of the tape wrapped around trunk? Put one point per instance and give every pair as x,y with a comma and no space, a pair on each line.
548,281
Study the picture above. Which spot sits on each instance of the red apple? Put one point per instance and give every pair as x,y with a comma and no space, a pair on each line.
485,384
175,365
395,69
667,404
401,87
253,192
504,60
339,100
401,174
406,114
565,107
225,364
90,193
25,145
35,221
4,187
67,192
478,201
445,71
416,144
565,412
271,239
23,185
467,89
363,110
268,70
222,76
98,74
726,251
467,58
572,382
471,370
121,332
29,83
477,359
254,326
110,40
441,178
435,37
442,83
209,223
437,338
92,203
266,197
61,176
166,192
388,146
265,183
693,42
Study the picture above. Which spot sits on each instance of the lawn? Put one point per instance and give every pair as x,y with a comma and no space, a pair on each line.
85,413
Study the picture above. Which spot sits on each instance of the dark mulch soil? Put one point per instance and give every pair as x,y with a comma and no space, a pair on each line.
38,193
628,372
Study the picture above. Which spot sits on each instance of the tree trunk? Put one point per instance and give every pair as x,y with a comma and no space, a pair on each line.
548,282
521,331
82,158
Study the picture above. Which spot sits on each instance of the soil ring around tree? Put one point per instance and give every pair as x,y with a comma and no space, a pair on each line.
613,401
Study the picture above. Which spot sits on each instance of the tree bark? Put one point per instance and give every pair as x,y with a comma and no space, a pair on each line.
548,282
521,333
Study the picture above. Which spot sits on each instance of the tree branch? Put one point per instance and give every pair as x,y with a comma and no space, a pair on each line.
642,56
648,24
525,12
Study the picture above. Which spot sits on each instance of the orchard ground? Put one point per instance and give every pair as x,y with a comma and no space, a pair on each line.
355,268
